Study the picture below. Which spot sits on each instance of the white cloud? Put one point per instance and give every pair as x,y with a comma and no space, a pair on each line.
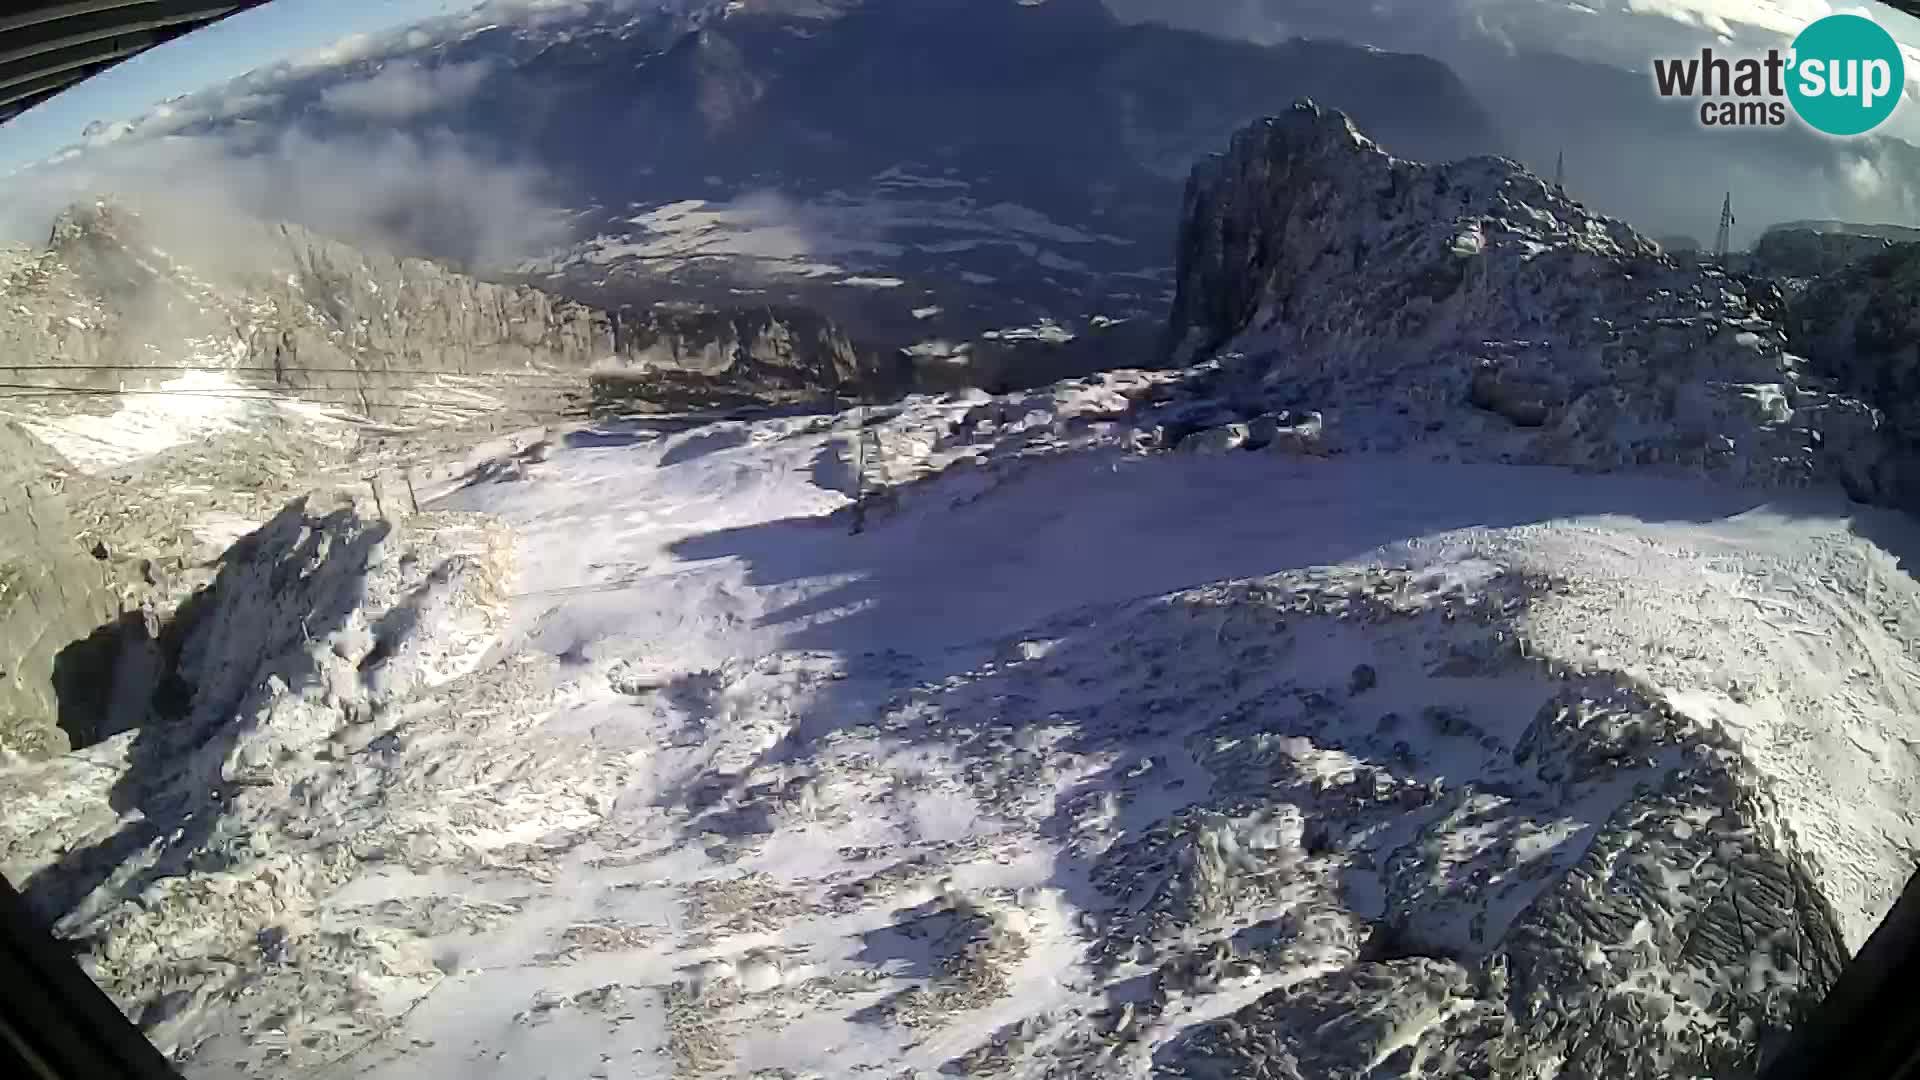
1775,16
241,104
516,9
404,89
100,134
1864,178
166,120
347,50
433,195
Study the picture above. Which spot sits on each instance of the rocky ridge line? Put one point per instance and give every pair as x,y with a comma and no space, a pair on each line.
1469,310
280,306
1860,325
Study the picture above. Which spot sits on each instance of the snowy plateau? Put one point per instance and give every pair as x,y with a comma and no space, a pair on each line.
1359,696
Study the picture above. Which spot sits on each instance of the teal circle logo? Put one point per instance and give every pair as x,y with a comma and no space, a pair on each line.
1847,75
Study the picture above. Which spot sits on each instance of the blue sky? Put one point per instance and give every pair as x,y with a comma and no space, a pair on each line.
199,60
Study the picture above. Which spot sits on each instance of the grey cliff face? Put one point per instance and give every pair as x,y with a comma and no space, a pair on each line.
53,594
276,305
743,357
339,306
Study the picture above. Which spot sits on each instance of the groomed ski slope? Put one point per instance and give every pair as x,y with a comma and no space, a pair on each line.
823,804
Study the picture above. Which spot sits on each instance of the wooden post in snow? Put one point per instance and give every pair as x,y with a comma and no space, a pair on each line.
407,475
859,469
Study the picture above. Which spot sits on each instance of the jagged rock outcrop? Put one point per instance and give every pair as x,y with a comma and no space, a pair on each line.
1615,962
1860,326
53,596
1473,307
1809,253
338,307
318,622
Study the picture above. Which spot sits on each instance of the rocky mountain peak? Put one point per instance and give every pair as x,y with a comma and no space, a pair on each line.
1473,307
88,224
107,244
1304,198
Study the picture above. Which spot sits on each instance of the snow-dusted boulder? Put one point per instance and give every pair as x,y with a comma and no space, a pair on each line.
1217,440
1290,433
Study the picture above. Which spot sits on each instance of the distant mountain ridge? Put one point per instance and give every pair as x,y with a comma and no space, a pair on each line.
931,174
1904,234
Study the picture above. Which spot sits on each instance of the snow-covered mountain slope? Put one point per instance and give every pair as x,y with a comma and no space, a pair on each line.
1076,762
1440,705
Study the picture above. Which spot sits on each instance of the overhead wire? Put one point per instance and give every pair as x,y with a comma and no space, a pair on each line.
273,370
349,402
452,390
252,393
446,390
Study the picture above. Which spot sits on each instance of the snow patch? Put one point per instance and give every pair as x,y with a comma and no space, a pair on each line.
195,406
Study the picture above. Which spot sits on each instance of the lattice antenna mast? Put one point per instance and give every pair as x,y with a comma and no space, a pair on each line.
1560,172
1724,238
